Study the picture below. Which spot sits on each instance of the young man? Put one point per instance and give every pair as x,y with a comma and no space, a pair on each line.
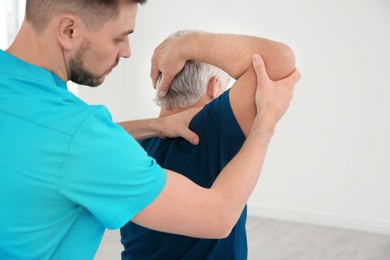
68,172
222,126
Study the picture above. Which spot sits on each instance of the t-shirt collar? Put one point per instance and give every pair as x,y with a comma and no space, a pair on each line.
14,65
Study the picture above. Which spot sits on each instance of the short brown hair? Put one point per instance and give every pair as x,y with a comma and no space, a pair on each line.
94,13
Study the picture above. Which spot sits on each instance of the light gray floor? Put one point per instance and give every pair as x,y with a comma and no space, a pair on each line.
280,240
274,240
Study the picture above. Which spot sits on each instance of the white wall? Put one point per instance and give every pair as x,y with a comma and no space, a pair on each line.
329,162
3,26
11,14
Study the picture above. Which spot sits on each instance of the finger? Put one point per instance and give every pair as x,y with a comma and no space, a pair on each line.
291,80
164,85
190,136
154,74
295,76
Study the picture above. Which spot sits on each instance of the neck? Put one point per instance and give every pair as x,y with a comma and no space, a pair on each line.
38,49
166,112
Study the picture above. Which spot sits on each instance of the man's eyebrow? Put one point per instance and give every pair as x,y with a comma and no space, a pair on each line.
127,32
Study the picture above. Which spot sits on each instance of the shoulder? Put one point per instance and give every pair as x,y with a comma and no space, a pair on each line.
216,117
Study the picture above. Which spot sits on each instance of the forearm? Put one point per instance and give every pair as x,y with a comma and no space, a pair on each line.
142,129
164,127
233,53
238,179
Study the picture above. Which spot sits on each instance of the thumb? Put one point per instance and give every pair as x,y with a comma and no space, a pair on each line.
190,136
259,67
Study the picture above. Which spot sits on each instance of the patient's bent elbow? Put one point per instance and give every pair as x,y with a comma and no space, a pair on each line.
281,63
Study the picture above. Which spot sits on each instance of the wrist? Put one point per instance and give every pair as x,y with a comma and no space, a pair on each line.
263,128
158,126
190,43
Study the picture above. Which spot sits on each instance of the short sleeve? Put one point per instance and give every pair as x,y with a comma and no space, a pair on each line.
108,172
219,131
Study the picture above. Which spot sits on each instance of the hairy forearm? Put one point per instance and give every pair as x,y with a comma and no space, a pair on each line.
233,53
142,129
164,127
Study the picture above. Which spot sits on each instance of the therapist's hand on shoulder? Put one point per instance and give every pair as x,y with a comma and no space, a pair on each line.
177,125
273,97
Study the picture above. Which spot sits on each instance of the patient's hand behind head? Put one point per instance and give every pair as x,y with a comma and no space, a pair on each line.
191,84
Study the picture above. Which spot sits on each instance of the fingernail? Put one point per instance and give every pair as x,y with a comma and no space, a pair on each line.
256,57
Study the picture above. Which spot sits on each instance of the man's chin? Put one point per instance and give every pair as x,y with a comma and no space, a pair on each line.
100,81
97,83
92,82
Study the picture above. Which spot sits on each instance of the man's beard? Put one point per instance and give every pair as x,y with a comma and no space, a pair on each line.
77,72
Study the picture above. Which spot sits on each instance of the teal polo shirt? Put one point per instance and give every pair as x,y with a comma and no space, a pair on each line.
67,171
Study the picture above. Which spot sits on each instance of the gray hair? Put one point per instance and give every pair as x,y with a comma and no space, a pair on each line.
190,84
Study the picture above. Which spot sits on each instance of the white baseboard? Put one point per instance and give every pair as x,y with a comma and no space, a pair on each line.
320,219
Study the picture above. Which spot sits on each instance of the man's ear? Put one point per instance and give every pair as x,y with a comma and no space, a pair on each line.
212,87
68,31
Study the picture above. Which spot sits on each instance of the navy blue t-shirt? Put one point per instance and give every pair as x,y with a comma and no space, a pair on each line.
220,140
